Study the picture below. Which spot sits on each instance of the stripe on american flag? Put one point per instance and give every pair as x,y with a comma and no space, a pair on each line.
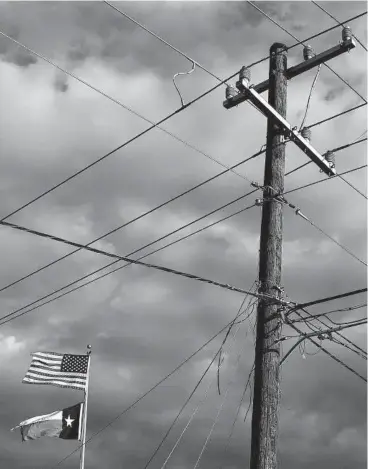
57,369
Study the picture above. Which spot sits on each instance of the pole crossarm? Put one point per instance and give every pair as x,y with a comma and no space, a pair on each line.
290,131
296,70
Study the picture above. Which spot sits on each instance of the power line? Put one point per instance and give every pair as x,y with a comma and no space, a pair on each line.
303,43
331,238
139,217
329,354
163,40
135,113
341,310
335,150
357,350
337,21
324,180
211,383
323,121
137,262
158,207
299,306
10,316
153,210
146,393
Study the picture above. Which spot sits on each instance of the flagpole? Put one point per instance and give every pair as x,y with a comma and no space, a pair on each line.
83,448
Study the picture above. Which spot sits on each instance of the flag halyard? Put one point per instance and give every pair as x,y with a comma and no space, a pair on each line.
57,369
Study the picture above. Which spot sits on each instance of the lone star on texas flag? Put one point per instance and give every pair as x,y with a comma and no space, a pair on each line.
69,421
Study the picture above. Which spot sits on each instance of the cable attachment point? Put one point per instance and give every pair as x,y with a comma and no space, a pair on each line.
183,73
230,92
259,202
244,79
346,34
308,52
306,133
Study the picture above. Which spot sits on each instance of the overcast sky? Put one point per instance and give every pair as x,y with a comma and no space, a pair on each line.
141,322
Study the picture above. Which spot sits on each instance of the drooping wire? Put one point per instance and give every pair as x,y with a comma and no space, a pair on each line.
329,354
338,22
109,424
185,403
182,73
239,313
309,98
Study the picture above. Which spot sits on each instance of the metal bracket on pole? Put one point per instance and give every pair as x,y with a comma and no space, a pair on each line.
289,131
292,72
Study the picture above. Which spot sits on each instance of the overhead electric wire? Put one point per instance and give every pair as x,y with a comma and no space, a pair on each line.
344,248
341,310
334,150
358,350
142,396
247,383
188,399
303,336
299,306
303,43
323,121
36,271
138,115
330,354
339,23
323,180
12,316
240,312
139,217
162,40
137,262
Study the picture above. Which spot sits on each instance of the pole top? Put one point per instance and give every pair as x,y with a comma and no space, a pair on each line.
278,45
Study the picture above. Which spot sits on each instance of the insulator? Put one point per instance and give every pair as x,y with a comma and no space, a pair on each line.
306,133
308,52
346,34
330,158
230,92
245,74
258,201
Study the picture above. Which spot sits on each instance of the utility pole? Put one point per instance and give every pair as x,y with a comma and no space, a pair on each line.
266,396
267,355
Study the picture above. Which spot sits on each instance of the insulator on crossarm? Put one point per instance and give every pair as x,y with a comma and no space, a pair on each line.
306,133
347,35
245,74
308,52
330,158
230,92
244,79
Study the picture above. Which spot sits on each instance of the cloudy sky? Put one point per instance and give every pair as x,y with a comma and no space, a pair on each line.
141,322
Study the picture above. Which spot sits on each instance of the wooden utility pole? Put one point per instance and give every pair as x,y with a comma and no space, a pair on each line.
266,397
267,355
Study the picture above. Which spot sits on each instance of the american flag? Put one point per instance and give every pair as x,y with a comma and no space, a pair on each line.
64,370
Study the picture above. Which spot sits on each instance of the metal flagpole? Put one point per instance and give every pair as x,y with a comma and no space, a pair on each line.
83,448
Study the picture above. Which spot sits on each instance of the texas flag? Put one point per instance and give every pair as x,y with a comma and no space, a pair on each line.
65,424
